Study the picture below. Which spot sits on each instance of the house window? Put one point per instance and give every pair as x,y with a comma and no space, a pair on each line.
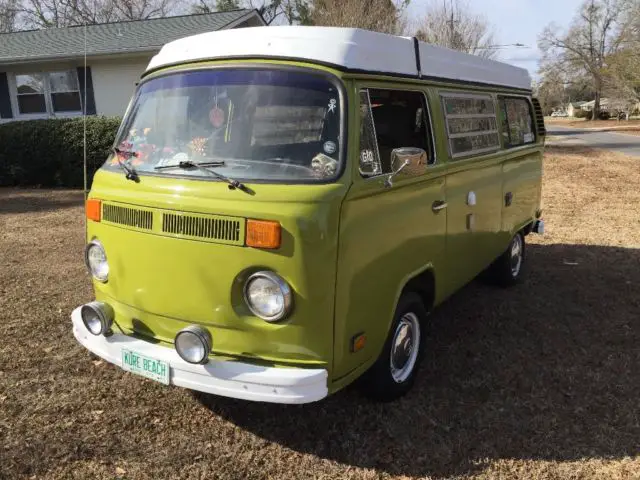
391,119
517,121
471,124
31,94
65,92
48,93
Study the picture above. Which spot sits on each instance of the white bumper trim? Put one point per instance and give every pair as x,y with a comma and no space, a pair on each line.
227,378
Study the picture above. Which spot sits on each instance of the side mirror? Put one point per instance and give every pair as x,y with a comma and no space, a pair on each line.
406,162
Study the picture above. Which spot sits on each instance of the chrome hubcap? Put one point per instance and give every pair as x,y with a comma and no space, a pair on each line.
405,347
516,255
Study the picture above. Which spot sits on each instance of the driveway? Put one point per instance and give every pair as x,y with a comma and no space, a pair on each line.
618,142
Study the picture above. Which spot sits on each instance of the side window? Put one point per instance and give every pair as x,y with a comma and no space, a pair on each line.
369,156
517,121
391,119
471,124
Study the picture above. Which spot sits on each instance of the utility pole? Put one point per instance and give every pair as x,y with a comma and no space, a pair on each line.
451,23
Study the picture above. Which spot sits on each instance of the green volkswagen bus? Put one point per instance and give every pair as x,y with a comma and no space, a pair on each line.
284,206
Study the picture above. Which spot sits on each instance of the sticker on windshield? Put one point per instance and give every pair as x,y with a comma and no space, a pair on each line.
323,166
332,105
329,147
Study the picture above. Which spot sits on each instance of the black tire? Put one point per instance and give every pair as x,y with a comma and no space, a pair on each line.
378,382
503,272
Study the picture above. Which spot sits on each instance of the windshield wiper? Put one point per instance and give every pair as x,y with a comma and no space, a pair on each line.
130,172
186,164
208,168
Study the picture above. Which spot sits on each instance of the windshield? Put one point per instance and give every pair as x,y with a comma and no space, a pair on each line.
250,124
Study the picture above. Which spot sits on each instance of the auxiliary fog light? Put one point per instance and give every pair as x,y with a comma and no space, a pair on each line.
193,344
97,317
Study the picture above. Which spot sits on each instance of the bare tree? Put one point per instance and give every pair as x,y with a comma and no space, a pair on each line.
142,9
62,13
8,15
451,24
622,69
272,11
621,80
378,15
46,13
594,34
204,6
287,11
550,92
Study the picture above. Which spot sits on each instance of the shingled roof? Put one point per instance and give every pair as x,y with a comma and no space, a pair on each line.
112,38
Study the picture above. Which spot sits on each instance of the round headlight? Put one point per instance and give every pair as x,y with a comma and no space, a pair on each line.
268,296
96,259
97,317
193,344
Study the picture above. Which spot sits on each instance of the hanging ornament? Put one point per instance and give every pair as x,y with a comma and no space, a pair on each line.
216,117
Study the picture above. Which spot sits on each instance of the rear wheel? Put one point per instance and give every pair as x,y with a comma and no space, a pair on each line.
394,372
508,268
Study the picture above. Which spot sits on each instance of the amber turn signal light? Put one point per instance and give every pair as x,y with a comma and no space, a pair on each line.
263,234
358,342
93,209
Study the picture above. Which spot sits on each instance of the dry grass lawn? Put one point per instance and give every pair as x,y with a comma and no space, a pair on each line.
538,382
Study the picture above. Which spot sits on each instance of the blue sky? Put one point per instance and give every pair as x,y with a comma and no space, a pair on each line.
517,21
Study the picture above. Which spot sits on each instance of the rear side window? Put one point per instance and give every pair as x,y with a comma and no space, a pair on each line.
517,121
391,119
471,124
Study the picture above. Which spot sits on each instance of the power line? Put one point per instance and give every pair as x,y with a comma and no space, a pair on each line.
506,45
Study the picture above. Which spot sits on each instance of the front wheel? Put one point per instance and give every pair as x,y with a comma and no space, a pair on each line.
508,268
395,369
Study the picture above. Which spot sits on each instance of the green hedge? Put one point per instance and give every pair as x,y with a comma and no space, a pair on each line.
49,153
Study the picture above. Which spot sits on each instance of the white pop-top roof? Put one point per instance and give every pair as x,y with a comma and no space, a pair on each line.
348,48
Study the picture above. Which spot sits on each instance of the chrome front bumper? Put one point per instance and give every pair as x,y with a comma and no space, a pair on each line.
227,378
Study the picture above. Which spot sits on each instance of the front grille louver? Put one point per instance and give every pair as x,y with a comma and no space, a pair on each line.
193,226
131,217
223,229
542,131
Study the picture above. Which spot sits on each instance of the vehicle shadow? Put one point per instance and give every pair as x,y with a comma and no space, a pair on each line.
546,370
564,133
14,200
619,130
633,145
591,150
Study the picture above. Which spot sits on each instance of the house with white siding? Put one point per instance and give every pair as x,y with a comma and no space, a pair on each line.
573,107
43,75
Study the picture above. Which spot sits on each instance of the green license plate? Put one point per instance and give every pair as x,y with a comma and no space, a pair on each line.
147,367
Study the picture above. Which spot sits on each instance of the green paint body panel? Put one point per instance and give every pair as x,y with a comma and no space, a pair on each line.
166,282
348,248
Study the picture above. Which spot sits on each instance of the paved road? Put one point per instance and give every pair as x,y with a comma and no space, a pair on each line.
619,142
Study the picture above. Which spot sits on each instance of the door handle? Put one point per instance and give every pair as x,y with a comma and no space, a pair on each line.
438,205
